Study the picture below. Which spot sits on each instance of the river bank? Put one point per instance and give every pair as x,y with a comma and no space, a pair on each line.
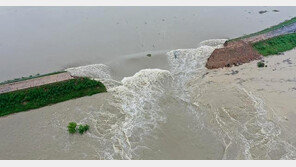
47,94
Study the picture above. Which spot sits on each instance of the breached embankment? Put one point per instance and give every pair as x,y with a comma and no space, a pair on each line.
240,51
186,112
233,54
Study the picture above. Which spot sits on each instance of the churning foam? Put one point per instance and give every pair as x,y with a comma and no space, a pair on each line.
137,113
188,63
137,98
100,72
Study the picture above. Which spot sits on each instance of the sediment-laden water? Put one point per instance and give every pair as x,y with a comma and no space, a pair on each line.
184,112
146,105
167,106
171,114
46,39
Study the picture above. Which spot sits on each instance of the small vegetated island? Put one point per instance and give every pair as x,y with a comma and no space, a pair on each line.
41,90
271,41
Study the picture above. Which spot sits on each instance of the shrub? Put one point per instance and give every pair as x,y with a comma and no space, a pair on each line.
83,129
86,127
149,55
72,127
260,64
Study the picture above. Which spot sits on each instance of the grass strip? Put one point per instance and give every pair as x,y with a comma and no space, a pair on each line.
276,45
30,77
285,23
32,98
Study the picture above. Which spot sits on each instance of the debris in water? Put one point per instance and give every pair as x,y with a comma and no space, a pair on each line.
205,74
262,11
234,72
288,61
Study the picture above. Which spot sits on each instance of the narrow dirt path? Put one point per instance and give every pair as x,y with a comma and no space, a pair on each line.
281,31
35,82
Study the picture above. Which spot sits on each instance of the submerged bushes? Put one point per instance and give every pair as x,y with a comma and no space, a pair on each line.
276,45
260,64
37,97
72,127
81,129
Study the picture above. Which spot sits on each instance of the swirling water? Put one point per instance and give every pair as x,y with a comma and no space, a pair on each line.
160,114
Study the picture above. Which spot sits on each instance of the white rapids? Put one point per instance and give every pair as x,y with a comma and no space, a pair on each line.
215,121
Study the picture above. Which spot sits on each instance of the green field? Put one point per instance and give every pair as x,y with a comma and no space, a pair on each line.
32,98
285,23
30,77
276,45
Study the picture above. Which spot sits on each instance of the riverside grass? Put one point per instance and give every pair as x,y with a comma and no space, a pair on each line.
285,23
276,45
32,98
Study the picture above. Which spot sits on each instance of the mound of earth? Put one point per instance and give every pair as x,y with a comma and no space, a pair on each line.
233,53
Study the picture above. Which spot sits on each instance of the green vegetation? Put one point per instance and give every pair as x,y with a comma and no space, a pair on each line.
72,127
149,55
276,45
285,23
30,77
260,64
37,97
82,129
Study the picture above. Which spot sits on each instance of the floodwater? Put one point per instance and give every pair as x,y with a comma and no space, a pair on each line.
167,106
45,39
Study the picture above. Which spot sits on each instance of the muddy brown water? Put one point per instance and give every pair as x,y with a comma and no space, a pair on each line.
45,39
167,106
